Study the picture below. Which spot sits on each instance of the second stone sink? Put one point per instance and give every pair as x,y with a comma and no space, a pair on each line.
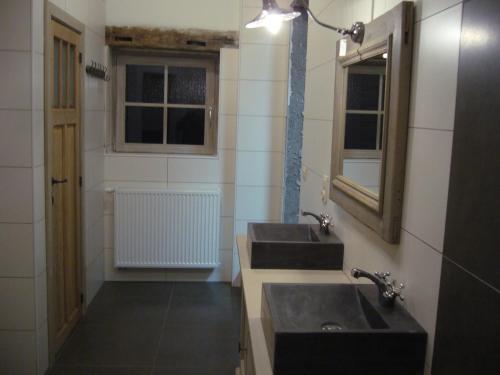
338,329
293,246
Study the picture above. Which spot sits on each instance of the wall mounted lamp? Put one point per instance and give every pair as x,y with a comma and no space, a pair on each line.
272,16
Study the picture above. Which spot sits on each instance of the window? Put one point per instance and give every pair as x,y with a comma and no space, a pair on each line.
166,104
364,114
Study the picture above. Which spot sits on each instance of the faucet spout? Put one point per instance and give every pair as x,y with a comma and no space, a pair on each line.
387,290
324,221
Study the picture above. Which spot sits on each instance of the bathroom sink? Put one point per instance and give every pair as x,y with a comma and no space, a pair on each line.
293,246
338,329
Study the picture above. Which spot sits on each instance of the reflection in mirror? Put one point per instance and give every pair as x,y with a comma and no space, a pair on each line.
364,122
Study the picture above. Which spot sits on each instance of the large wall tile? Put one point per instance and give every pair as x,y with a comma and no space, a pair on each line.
15,75
319,89
14,25
258,203
262,98
259,169
208,169
16,195
426,186
15,138
38,137
264,62
18,352
39,248
227,132
256,133
436,55
95,277
228,97
38,193
16,250
317,141
229,61
135,168
18,307
94,165
94,129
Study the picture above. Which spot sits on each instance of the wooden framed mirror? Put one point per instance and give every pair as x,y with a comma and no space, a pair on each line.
370,122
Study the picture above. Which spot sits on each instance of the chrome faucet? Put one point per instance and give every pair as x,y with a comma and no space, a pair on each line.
325,221
388,291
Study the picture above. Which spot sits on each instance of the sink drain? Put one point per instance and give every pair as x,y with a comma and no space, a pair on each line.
331,326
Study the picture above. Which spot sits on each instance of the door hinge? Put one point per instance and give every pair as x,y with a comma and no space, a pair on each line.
80,181
80,58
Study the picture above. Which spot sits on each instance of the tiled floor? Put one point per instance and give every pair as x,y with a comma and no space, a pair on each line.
156,329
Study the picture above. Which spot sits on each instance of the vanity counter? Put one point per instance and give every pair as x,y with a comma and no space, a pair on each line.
252,280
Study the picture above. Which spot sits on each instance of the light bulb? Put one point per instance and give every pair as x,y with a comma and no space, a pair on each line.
273,23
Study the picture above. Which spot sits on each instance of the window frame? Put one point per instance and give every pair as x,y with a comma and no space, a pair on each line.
364,153
209,61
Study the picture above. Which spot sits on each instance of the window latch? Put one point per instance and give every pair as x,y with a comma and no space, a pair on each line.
210,115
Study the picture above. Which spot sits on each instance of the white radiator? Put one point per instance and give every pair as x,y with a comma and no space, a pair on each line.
166,229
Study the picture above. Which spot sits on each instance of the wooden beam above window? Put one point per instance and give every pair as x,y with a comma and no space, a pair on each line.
156,38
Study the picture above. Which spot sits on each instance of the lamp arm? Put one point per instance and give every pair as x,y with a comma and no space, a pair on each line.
356,31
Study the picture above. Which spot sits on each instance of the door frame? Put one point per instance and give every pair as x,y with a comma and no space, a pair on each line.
52,12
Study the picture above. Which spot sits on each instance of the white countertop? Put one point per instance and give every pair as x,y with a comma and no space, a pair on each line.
252,280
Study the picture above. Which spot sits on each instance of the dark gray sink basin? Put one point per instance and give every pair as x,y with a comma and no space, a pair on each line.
338,329
293,246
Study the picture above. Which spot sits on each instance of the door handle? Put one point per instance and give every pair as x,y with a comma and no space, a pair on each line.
55,181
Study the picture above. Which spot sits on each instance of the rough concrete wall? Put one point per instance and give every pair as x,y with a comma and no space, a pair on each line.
295,120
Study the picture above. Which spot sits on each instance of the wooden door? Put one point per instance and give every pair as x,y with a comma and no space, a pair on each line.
64,181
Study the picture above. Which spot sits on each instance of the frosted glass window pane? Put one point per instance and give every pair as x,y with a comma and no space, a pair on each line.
145,83
64,71
186,85
143,125
71,82
186,126
55,98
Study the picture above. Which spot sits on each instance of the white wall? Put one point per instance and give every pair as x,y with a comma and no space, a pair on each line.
220,15
158,171
417,259
262,105
92,15
23,313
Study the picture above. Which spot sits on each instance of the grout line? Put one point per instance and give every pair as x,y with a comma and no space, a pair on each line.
438,12
421,240
426,128
162,332
473,275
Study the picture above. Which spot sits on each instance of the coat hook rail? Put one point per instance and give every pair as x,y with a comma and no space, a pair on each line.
98,71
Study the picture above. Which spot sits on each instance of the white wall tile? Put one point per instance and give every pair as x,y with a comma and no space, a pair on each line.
38,137
317,141
94,242
427,8
41,299
109,232
18,308
435,68
258,203
319,89
226,233
228,97
18,352
15,75
16,195
227,132
95,92
262,98
42,337
78,9
15,138
94,165
135,168
113,274
60,3
426,186
256,133
95,277
94,206
229,63
111,184
215,170
94,129
16,250
39,247
259,168
37,93
264,62
15,25
38,193
37,25
96,16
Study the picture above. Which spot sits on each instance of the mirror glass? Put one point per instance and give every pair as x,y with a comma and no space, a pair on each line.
364,122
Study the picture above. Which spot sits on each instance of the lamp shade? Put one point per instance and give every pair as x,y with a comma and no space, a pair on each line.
272,16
